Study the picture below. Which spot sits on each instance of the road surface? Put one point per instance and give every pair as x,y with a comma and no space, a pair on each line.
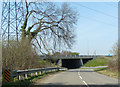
78,78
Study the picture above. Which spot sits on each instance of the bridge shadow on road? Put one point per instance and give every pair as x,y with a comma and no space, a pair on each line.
80,71
62,85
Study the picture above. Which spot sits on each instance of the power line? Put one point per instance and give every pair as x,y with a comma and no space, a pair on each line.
98,21
96,10
111,5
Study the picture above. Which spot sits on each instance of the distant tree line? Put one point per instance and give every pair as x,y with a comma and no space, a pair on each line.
64,53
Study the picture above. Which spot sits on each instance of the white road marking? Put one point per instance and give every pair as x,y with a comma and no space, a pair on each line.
81,78
85,83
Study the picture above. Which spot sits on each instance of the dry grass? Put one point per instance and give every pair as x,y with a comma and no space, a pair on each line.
113,64
21,55
108,72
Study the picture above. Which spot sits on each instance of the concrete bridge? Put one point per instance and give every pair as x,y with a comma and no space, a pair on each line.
71,61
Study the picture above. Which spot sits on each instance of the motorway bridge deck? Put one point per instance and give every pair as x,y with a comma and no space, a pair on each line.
72,57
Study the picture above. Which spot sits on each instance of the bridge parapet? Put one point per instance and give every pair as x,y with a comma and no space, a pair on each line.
70,57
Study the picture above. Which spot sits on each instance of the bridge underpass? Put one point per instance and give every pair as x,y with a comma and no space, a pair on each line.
71,62
74,63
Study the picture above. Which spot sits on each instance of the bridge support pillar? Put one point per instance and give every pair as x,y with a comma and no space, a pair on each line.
81,62
58,62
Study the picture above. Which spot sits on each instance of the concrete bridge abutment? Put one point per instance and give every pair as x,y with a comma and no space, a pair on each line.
72,63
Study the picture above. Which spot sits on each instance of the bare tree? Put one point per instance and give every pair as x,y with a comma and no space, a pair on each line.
49,26
114,49
113,64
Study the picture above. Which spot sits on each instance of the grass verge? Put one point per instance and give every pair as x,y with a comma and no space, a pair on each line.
107,72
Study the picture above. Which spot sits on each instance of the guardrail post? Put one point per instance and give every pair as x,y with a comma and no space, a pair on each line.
26,76
36,74
19,77
40,73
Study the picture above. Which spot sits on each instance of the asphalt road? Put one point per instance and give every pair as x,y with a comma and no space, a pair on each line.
78,78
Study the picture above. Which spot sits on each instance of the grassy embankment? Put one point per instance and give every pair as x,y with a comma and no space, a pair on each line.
107,71
100,61
103,61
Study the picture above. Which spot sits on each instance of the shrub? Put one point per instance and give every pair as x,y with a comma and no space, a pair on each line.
20,55
113,64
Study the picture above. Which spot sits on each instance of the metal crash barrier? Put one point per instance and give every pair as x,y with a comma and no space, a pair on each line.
9,75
